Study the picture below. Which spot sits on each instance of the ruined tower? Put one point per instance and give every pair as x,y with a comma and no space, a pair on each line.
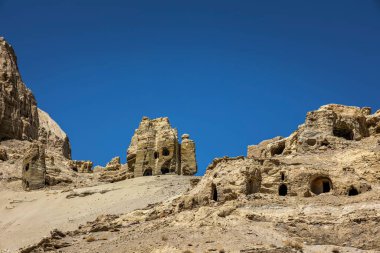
155,150
34,168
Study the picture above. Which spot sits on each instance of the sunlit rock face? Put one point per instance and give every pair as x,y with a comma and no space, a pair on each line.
155,150
18,107
332,126
50,134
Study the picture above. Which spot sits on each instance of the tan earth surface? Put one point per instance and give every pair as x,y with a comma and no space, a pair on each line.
26,217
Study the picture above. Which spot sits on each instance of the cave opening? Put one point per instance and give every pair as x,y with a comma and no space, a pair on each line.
148,172
321,185
283,190
214,192
353,191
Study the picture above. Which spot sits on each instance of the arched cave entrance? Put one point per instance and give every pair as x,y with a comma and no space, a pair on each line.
164,171
282,176
283,190
278,150
321,185
343,131
27,167
148,172
252,186
214,192
353,191
156,155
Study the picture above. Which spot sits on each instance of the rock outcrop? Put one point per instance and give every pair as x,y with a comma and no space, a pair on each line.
114,171
154,150
330,127
18,107
188,159
22,125
54,138
34,168
80,166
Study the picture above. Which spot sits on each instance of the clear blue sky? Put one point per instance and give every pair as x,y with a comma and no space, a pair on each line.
229,73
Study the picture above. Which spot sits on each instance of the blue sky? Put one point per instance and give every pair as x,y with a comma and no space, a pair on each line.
229,73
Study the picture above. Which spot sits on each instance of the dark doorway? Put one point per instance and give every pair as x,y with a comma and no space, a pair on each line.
27,167
156,155
148,172
282,176
253,186
283,190
326,186
164,171
214,192
352,191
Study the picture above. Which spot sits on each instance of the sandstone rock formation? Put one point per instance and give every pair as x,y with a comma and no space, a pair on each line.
22,124
331,126
114,164
80,166
18,107
114,171
154,150
50,134
34,168
188,159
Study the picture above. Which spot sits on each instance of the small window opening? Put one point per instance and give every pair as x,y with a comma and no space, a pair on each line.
283,190
156,155
164,171
282,176
165,152
75,169
148,172
27,167
343,132
352,191
214,192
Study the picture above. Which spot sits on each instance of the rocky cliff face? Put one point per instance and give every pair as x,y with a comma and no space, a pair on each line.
330,127
18,107
52,136
23,126
155,150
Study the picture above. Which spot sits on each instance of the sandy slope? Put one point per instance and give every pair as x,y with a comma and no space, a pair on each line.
28,216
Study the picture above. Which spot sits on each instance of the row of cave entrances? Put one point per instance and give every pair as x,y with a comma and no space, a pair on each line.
149,172
318,186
